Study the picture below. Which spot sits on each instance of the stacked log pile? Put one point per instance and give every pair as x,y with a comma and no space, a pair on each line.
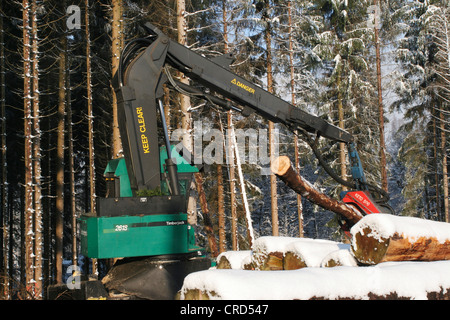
287,253
419,248
299,268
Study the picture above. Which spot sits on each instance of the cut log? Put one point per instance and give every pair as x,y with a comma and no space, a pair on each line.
283,168
268,252
382,237
309,252
235,260
339,258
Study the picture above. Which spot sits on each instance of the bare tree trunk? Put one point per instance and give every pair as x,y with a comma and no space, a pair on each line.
117,45
273,179
185,101
90,113
296,152
230,150
36,154
60,160
29,192
250,233
436,167
444,167
71,167
221,209
342,156
384,181
232,177
206,215
4,168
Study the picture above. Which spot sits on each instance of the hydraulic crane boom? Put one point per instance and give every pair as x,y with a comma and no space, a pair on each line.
150,230
139,86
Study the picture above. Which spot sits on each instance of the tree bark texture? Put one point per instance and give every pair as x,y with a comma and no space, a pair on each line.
284,169
273,179
206,215
116,47
29,196
372,245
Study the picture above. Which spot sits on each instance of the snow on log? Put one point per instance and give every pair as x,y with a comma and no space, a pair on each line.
235,260
305,252
383,237
392,280
268,252
283,168
290,253
338,258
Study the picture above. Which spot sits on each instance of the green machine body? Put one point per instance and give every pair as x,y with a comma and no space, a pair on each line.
144,223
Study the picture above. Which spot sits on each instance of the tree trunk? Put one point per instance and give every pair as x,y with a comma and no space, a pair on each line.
206,215
185,101
4,167
296,151
273,179
117,45
230,150
436,166
221,209
444,167
71,168
342,156
90,114
381,237
283,168
29,192
250,233
38,241
384,181
90,120
60,161
231,162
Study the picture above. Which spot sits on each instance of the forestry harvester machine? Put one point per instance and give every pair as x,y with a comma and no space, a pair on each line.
150,233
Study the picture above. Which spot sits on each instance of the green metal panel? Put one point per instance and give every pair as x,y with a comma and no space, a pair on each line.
184,170
182,164
133,236
119,168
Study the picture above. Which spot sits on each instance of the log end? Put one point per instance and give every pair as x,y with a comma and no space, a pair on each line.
292,261
223,263
280,165
369,249
265,262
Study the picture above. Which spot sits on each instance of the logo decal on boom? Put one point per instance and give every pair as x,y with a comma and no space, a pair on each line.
243,86
142,129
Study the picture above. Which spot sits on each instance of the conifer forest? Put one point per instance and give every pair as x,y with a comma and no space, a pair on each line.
379,69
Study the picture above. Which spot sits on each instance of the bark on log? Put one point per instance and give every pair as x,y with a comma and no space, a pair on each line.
283,168
380,238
